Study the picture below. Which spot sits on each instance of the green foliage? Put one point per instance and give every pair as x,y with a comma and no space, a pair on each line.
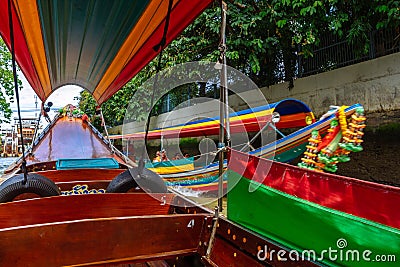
263,39
6,83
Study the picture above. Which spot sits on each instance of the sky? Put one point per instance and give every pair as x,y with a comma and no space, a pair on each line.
61,97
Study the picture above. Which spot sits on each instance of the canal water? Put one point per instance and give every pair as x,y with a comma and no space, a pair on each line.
379,162
4,163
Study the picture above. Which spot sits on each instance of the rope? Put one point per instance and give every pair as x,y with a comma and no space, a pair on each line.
223,107
14,67
103,121
36,128
214,153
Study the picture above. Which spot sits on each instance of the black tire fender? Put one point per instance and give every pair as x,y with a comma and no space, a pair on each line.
148,181
36,184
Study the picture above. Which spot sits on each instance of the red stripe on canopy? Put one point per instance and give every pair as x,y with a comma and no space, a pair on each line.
364,199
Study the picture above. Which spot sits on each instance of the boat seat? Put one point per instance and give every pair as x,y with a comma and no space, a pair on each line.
94,163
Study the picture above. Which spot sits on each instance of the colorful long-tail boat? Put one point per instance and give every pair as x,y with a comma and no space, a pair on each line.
292,114
54,211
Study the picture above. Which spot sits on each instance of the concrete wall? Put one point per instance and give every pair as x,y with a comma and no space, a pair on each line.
374,83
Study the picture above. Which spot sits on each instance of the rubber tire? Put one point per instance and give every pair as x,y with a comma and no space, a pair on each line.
36,184
149,182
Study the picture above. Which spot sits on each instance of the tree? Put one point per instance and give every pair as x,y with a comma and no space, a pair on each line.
6,83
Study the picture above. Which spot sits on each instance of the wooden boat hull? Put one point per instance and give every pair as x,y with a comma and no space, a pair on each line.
172,166
100,229
284,149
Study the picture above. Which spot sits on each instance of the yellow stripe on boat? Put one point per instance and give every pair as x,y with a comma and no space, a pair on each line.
29,19
156,10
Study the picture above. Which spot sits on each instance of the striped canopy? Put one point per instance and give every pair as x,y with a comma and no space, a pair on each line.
96,44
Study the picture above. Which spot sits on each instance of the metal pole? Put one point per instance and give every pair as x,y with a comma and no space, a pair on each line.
222,108
254,137
36,128
14,68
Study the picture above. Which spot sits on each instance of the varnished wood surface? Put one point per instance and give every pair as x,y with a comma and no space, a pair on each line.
101,241
67,186
78,207
81,174
224,254
69,139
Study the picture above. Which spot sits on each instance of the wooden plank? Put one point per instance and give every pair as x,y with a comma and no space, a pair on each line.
126,265
41,166
67,186
77,207
224,254
70,138
101,241
205,237
157,264
193,260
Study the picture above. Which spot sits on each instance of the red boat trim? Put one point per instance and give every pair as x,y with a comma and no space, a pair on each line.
22,53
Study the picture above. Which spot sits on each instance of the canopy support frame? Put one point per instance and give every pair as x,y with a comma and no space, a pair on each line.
103,122
14,67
